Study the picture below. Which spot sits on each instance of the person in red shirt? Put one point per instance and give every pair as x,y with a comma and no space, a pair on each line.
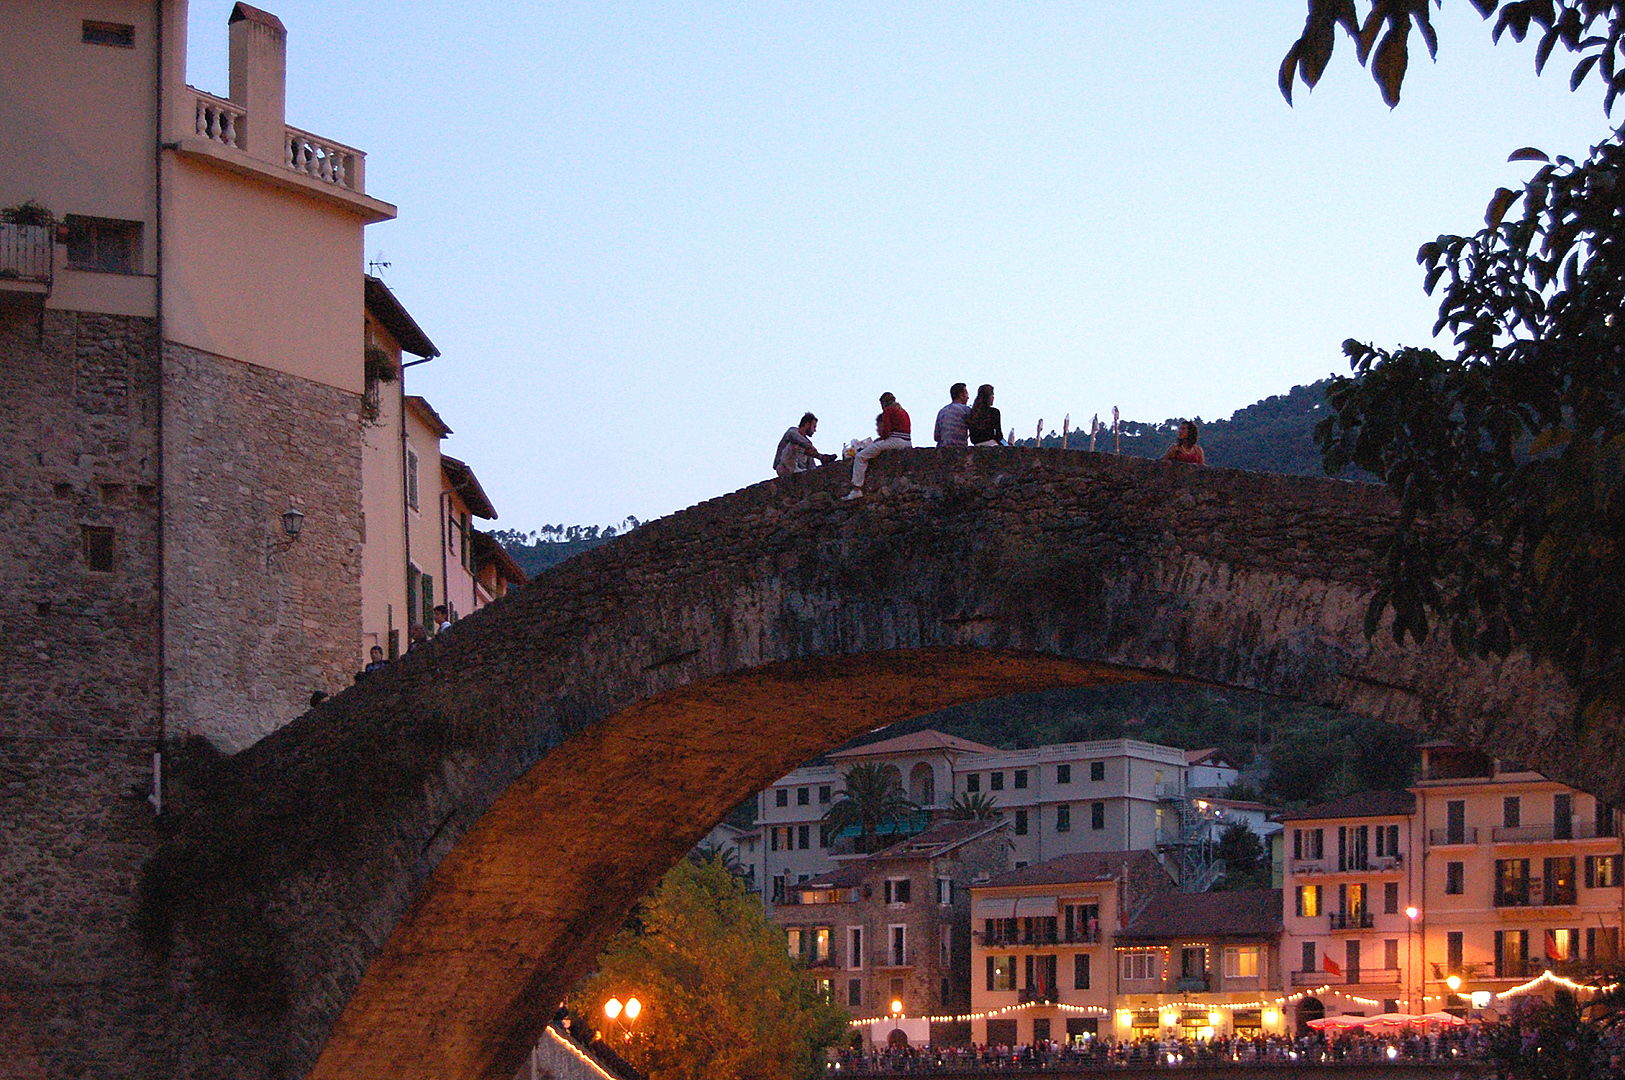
1185,449
892,432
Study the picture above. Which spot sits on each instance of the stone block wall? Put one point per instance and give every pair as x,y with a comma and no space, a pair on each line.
79,706
255,623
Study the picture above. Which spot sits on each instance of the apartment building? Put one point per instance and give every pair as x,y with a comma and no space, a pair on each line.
1480,877
1520,874
1195,965
1042,960
894,926
1109,795
1351,901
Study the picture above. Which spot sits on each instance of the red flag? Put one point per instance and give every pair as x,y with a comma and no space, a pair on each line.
1552,952
1330,965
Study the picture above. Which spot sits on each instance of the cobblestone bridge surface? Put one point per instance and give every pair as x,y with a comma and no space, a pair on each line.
402,883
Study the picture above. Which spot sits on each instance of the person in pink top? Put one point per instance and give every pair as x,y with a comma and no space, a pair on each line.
1185,448
892,432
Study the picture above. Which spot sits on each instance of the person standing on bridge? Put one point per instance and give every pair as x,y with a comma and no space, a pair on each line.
1185,448
892,432
951,429
796,453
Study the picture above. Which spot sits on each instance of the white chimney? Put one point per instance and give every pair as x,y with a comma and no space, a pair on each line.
259,72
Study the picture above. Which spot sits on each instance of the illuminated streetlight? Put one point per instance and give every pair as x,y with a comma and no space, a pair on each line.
1454,982
1413,913
633,1007
612,1008
896,1007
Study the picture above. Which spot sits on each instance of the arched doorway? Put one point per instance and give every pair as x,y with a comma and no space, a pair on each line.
1309,1009
922,785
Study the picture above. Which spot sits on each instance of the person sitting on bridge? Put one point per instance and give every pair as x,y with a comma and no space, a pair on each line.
796,453
951,429
1185,448
986,426
892,432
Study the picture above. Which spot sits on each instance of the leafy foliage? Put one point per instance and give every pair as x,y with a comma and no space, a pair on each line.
1557,1040
544,548
1274,435
722,998
974,806
1246,863
27,213
1593,29
1509,459
873,797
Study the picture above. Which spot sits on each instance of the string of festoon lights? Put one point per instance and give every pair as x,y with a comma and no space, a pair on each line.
990,1014
1095,1010
1545,978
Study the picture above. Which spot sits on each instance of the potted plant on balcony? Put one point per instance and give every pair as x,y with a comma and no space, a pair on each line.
378,367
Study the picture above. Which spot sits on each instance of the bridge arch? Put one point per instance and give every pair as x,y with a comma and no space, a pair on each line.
434,856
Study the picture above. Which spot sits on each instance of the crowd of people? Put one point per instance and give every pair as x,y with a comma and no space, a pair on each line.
1106,1053
961,422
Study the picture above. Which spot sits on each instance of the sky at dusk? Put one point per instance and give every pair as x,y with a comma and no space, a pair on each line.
647,237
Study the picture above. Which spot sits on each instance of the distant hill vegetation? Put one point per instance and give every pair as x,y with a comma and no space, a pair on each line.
1275,435
550,545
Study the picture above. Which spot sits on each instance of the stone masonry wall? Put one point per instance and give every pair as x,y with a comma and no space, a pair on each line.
79,717
256,623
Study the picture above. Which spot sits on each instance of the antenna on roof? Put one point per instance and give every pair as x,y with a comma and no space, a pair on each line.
378,263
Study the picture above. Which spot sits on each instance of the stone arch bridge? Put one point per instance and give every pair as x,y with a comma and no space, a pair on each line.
405,881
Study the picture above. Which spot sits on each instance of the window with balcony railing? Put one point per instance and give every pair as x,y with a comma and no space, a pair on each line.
1511,883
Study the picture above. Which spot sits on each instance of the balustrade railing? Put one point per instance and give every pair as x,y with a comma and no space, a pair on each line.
323,159
218,120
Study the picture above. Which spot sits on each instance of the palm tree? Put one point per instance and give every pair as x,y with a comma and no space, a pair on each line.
975,806
873,797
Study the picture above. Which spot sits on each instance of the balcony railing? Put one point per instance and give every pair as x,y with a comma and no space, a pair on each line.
1169,791
998,938
1535,834
1351,920
25,253
1193,984
218,120
1040,995
1444,837
1538,894
324,159
225,123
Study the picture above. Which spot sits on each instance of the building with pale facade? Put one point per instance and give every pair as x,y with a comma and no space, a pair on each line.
1042,960
1479,878
1109,795
1350,903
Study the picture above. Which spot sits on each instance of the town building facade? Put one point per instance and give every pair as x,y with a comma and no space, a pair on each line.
1042,959
894,926
1109,795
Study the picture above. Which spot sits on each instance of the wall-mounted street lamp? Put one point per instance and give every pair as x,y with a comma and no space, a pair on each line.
293,523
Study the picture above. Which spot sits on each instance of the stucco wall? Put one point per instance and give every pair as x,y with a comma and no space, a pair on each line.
383,556
269,277
77,133
255,624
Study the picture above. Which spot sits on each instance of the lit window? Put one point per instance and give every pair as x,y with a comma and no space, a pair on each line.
1241,962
